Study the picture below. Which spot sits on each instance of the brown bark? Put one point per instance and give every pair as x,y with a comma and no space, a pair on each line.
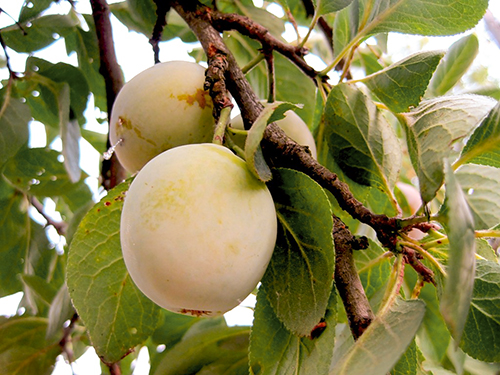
112,172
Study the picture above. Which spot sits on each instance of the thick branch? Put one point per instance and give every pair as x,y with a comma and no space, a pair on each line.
112,172
357,307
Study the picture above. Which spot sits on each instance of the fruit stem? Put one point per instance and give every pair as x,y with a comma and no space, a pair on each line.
220,127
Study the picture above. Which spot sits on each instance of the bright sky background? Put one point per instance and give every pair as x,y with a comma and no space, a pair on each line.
135,55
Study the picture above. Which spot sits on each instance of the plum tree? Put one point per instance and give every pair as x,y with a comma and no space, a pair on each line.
349,288
197,229
292,125
160,108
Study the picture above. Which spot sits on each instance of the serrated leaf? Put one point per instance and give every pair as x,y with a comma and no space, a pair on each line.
253,153
481,338
431,130
481,186
38,171
384,341
402,85
330,6
14,232
117,315
24,349
483,147
360,139
444,17
457,295
299,277
42,32
454,65
204,347
277,351
13,127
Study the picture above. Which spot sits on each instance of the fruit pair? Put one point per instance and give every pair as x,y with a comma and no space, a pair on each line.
197,228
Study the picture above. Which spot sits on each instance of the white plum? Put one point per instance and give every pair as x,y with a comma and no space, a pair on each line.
160,108
197,230
292,125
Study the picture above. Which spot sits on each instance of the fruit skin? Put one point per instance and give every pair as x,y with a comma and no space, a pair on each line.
160,108
197,230
292,125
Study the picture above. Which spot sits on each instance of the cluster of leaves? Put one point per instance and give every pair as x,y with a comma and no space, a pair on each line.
401,122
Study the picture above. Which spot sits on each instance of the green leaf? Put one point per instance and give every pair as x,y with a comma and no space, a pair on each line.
385,340
360,139
330,6
345,27
23,347
37,7
199,348
56,75
14,120
117,315
39,172
14,232
374,269
299,277
42,32
253,153
408,363
433,336
481,338
483,147
60,311
444,17
85,44
276,350
455,64
457,295
402,85
431,130
142,23
70,137
481,186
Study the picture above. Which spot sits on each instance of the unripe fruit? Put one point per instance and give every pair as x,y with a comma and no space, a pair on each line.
197,230
160,108
292,125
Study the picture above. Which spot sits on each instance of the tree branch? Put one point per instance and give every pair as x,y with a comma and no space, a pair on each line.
282,151
112,172
357,307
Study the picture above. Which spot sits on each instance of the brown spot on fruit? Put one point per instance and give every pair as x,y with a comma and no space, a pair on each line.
200,97
196,313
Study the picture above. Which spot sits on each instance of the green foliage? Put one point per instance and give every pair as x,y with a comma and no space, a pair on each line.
413,119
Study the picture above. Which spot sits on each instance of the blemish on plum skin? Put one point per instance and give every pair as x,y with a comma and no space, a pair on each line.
200,97
127,124
196,313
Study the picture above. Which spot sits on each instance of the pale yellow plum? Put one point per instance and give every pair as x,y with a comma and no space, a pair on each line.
292,125
162,107
197,230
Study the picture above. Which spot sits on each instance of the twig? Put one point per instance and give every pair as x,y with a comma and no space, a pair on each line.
271,81
162,8
59,226
112,172
348,283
